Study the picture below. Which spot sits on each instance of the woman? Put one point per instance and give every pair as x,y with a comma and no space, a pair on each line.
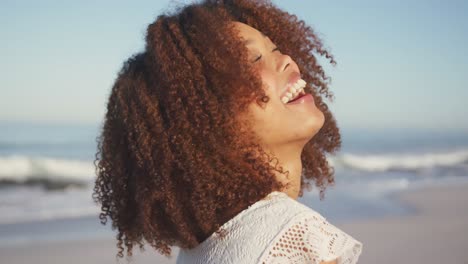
211,134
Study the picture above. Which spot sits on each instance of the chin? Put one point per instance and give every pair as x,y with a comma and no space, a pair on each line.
316,123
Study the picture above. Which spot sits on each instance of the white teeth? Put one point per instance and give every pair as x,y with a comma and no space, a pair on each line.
294,90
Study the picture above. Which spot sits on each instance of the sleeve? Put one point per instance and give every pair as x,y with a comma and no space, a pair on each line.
311,239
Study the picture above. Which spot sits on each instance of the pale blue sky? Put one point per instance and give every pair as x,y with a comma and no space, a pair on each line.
400,63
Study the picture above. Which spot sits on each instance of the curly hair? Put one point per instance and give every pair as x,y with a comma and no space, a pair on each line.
173,163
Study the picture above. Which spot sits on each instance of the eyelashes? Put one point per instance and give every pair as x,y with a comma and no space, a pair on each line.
259,57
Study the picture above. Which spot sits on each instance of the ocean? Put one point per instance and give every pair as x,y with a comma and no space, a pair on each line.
47,176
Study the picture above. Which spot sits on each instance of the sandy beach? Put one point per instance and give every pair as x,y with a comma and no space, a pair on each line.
436,233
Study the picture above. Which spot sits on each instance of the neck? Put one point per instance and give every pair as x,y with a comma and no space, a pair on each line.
290,159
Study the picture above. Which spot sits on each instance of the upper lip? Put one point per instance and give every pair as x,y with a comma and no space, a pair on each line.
293,78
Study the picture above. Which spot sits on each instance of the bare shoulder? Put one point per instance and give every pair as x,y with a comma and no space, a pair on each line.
329,262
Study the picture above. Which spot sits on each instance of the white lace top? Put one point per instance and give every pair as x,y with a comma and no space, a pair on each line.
277,229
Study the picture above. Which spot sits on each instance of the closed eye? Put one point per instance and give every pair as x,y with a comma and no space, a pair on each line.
258,58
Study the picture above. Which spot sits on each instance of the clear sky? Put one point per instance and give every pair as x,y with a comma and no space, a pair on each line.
400,63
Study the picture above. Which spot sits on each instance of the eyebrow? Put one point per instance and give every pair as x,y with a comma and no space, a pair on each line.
250,41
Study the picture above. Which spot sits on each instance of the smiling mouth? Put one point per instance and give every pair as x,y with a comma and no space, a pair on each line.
297,98
293,91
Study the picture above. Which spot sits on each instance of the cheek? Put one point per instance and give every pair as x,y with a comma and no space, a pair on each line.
269,82
270,117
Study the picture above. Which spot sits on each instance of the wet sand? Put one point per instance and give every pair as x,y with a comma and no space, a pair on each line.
436,233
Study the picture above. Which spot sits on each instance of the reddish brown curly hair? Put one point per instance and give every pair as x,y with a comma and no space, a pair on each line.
173,162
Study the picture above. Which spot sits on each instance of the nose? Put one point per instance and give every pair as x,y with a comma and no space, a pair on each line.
284,62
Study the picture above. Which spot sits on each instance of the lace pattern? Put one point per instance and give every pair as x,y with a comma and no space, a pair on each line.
276,229
312,239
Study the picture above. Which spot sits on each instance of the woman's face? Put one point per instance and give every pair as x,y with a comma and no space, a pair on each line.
281,126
